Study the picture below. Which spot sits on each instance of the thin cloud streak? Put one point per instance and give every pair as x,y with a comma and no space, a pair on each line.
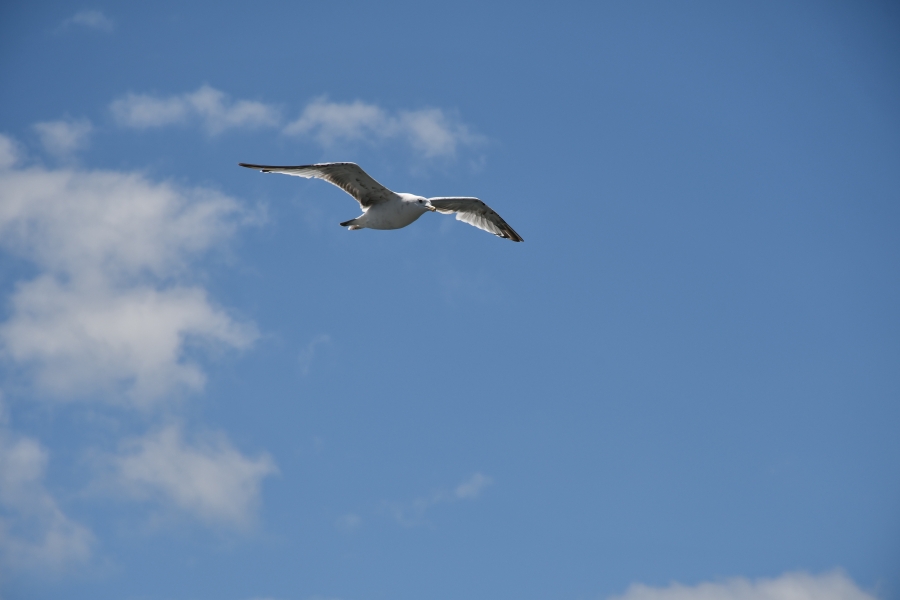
413,514
309,353
790,586
92,19
348,523
472,488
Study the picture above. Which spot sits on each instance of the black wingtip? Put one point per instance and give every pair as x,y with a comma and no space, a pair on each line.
510,234
260,168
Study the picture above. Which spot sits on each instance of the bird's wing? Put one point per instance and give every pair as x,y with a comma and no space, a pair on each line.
475,212
347,176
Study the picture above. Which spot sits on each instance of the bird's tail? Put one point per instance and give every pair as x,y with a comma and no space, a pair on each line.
352,224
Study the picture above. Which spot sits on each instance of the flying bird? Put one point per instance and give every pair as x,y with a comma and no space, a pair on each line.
384,209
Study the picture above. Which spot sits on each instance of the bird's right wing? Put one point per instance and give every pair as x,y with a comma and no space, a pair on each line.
347,176
475,212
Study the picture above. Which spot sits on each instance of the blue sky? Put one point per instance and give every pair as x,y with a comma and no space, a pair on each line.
683,385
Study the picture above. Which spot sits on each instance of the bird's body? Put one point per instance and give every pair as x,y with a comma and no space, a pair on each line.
384,209
395,213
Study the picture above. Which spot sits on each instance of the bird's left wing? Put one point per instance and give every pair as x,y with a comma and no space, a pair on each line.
475,212
347,176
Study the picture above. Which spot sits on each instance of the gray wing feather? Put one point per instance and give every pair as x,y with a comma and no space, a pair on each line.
347,176
475,212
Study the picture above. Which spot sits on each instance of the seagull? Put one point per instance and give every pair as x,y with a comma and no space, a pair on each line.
384,209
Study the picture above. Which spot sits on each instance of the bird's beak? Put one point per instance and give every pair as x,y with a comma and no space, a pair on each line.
431,208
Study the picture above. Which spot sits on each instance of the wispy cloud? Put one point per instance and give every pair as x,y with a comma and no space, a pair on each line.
209,479
413,513
34,532
790,586
472,487
10,152
211,107
309,353
349,522
64,137
92,19
103,315
430,131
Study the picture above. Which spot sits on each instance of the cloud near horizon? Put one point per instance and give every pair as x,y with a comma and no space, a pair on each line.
790,586
107,315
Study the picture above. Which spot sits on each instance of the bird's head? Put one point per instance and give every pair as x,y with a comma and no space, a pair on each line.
426,204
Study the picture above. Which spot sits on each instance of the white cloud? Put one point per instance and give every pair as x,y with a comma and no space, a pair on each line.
92,19
790,586
430,131
34,532
414,513
349,522
210,479
88,338
331,122
213,108
141,111
471,488
91,223
105,313
62,138
9,152
309,353
109,313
